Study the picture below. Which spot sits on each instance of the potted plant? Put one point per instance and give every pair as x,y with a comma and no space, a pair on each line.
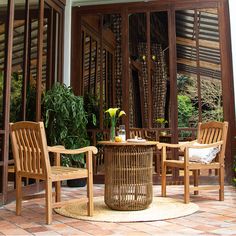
65,122
161,124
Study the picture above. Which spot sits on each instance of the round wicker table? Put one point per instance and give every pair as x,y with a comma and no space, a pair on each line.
128,174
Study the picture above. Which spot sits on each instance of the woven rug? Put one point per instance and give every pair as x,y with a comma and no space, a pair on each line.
160,209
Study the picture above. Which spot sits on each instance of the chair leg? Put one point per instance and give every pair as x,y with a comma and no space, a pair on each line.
90,206
221,182
18,194
186,185
48,189
163,180
196,180
58,191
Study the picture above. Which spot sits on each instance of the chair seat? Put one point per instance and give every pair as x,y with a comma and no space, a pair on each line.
63,173
192,165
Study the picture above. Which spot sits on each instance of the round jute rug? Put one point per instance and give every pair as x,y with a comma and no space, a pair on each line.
160,209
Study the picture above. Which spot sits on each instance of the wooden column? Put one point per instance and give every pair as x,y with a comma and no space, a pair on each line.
173,81
101,73
76,53
125,66
90,63
60,59
149,77
96,70
26,60
49,78
227,85
7,94
39,60
173,73
196,30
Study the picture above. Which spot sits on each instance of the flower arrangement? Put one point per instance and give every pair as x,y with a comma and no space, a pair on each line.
161,121
114,114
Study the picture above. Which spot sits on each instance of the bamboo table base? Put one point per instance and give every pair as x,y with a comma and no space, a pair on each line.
128,175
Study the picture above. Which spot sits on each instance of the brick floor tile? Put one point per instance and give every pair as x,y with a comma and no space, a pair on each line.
224,231
14,231
37,229
213,218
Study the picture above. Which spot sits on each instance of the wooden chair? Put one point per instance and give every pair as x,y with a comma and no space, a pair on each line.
212,134
31,156
134,133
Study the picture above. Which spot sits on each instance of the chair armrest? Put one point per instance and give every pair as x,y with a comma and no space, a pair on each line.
55,147
170,145
200,146
57,150
191,144
62,150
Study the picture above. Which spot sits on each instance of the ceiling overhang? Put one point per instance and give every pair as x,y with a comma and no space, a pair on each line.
100,2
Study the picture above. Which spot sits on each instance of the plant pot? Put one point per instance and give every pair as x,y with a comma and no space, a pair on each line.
76,182
163,133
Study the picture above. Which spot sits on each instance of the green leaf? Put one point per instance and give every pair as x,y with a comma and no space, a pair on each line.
65,121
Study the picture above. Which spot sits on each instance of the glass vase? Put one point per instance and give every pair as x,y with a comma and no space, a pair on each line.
112,133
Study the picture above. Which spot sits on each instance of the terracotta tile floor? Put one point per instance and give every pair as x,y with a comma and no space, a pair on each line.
213,218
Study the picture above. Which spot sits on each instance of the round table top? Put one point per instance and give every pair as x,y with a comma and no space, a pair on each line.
129,143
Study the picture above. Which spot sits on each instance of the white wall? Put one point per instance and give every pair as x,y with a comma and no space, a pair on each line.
67,43
232,7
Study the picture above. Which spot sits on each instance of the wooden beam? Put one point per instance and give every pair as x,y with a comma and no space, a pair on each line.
136,65
202,43
34,62
202,64
209,10
194,75
17,23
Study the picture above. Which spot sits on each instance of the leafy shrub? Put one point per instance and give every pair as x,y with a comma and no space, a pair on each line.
65,121
185,110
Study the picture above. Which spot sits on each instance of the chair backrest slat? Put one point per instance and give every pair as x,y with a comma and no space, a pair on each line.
213,132
37,152
30,148
21,150
216,135
33,151
137,133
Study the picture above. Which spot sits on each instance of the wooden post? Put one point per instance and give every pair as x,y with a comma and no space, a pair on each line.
6,97
39,61
125,66
26,59
227,85
149,76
